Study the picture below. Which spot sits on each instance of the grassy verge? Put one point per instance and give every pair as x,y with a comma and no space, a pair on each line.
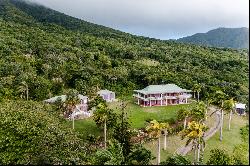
230,138
174,142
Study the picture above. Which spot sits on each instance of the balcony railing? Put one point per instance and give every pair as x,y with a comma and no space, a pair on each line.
138,96
170,97
163,97
185,96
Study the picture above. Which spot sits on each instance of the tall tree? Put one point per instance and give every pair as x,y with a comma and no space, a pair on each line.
209,100
24,89
220,97
101,115
229,107
194,89
197,88
194,133
122,131
71,101
154,130
165,130
183,114
94,102
198,112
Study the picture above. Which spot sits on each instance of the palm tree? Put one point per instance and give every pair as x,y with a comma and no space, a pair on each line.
197,88
165,127
220,96
194,89
154,130
209,100
183,114
69,105
71,101
198,112
23,88
101,115
229,106
194,133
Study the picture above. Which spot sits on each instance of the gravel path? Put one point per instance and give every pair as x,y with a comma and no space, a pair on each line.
185,149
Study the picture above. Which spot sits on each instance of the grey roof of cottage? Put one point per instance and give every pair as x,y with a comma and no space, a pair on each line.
240,105
63,98
105,91
165,88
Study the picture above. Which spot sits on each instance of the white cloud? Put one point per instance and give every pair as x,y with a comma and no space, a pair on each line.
157,18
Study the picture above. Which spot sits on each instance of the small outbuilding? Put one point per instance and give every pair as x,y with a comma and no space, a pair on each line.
81,107
240,108
107,95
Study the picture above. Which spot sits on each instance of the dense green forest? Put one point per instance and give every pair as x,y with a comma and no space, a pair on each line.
221,37
47,52
44,53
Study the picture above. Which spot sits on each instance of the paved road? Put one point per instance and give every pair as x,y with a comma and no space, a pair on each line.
185,149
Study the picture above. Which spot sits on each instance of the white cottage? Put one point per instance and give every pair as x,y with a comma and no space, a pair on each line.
240,108
81,108
107,95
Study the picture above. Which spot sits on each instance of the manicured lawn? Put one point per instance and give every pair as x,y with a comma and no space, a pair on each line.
173,143
138,115
86,127
230,138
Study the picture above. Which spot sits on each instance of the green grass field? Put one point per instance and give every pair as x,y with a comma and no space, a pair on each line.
86,127
173,142
230,138
137,114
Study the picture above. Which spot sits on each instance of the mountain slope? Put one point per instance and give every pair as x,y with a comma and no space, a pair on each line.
41,47
45,16
220,37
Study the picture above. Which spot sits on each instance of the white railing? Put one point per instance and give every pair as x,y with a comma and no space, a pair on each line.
163,97
138,96
170,97
185,96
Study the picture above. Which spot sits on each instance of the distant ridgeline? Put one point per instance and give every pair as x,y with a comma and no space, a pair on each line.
221,37
49,52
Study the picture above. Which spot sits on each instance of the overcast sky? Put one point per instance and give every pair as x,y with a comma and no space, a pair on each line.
162,19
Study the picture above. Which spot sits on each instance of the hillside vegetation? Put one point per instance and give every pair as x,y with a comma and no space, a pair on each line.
221,37
49,52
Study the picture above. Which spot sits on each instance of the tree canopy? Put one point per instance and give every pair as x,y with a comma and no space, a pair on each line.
31,133
52,52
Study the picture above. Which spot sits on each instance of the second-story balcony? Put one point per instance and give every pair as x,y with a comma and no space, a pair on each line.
185,95
138,96
170,97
